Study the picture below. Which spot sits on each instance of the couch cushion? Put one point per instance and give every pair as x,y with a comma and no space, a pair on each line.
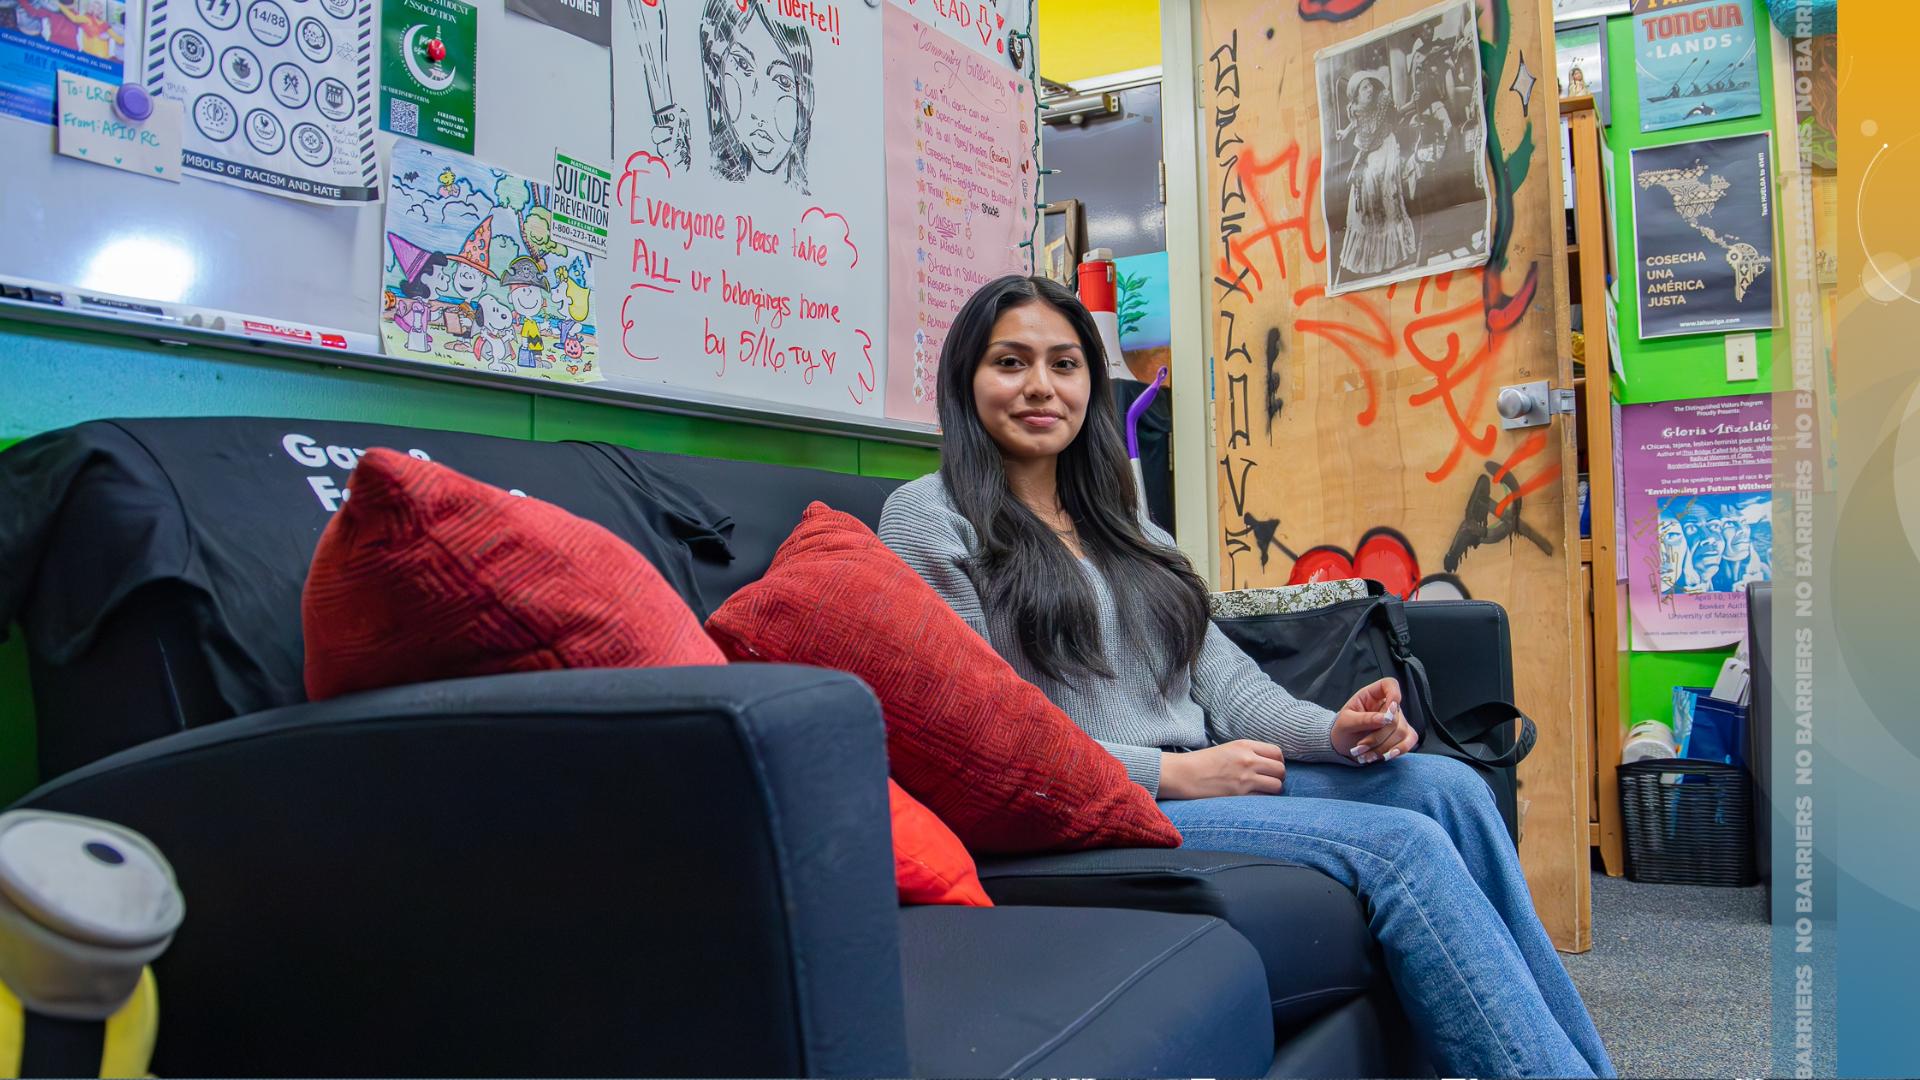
1311,932
1080,992
981,747
426,574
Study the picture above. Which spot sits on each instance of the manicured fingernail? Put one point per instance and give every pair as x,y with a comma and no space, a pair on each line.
1354,753
1370,759
1393,753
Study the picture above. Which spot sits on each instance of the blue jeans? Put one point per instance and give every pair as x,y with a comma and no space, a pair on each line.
1420,841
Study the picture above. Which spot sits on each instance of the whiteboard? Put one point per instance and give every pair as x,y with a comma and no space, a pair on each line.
200,244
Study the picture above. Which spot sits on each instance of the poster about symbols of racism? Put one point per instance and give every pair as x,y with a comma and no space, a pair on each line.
960,194
1703,236
1698,483
1405,137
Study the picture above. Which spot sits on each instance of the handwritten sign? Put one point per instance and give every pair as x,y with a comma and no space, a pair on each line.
960,187
91,131
745,233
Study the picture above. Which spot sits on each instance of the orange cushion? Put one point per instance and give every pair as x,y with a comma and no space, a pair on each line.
427,574
930,865
983,748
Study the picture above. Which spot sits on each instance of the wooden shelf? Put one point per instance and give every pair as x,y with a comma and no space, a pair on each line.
1586,552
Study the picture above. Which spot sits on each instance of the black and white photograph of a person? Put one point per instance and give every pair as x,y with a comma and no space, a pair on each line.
1403,135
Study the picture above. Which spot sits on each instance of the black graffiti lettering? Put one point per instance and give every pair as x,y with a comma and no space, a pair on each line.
1226,61
1222,120
1233,348
1276,348
1237,489
1237,411
1480,526
1231,175
1230,226
1236,285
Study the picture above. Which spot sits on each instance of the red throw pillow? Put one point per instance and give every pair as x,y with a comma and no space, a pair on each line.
983,748
427,574
930,865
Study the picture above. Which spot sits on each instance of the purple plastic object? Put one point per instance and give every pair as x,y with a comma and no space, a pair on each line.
1138,407
132,103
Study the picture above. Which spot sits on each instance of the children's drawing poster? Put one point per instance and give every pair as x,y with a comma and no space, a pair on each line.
747,231
1698,486
960,194
41,37
278,96
1696,62
473,275
427,55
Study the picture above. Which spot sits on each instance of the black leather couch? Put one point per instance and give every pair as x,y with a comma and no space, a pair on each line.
661,872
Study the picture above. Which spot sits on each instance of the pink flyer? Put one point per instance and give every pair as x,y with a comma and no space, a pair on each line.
960,193
1698,508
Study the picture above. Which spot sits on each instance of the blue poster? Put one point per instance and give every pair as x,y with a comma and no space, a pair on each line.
40,37
1703,236
1696,62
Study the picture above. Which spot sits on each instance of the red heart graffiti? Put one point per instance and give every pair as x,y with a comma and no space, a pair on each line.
1383,555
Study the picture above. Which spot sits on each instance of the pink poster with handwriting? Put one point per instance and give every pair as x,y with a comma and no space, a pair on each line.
960,191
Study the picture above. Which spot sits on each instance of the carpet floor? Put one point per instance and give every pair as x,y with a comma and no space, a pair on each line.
1678,979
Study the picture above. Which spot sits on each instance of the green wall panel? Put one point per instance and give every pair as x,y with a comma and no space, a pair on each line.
1651,677
56,377
1695,366
1678,368
561,418
897,461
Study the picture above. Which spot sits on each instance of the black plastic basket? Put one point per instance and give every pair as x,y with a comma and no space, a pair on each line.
1688,822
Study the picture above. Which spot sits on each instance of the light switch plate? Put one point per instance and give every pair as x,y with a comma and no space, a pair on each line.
1743,358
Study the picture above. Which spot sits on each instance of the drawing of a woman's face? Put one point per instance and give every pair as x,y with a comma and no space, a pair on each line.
1673,553
761,95
759,77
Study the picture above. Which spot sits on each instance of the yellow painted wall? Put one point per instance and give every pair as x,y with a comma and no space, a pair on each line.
1082,39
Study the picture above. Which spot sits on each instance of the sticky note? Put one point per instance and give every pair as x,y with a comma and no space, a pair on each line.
91,131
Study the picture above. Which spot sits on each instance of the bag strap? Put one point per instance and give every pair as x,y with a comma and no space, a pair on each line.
1472,724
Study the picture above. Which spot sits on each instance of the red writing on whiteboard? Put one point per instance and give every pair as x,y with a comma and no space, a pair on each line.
822,17
689,224
654,269
831,223
736,292
641,164
747,238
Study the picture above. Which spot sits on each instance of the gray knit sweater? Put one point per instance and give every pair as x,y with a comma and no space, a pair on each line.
1226,698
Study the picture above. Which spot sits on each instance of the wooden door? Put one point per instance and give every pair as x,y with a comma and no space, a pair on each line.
1357,433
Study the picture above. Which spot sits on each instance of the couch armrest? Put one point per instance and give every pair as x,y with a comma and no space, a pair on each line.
661,872
1310,931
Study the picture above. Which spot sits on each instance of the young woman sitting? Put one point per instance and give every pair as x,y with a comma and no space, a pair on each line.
1032,531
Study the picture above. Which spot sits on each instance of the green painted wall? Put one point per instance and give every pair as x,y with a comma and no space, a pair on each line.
56,377
1671,369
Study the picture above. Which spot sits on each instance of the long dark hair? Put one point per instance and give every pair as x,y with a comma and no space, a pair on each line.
1021,566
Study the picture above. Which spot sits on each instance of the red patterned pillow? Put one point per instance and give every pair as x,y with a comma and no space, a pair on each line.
930,866
983,748
427,574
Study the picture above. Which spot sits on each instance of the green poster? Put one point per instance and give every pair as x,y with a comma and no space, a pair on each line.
426,71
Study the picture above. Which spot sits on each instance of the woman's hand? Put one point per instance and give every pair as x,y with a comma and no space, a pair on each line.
1371,728
1241,767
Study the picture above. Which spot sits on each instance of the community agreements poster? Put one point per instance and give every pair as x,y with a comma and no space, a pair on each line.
1698,489
1703,236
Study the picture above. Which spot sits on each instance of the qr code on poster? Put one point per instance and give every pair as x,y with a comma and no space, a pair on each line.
403,117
